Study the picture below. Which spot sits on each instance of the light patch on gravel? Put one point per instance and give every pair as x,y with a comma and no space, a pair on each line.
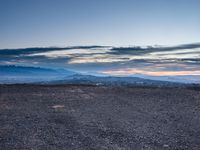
58,106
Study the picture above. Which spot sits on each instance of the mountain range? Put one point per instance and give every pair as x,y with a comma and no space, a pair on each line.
22,74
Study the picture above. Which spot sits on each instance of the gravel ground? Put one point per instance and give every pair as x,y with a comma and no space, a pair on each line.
64,117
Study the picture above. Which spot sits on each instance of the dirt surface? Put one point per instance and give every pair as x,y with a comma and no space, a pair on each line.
65,117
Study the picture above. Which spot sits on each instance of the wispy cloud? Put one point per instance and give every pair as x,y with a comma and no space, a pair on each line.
71,52
133,71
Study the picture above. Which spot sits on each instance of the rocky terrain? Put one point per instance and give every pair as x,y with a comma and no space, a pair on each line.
85,117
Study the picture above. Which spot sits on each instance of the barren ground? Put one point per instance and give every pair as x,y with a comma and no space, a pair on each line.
65,117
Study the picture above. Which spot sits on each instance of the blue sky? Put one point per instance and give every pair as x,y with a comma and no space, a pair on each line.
32,23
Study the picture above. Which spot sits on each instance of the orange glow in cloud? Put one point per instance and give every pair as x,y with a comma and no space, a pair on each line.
132,71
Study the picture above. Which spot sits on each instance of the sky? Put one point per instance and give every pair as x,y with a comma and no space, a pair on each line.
44,23
171,27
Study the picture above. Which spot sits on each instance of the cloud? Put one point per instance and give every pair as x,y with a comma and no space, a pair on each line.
134,71
137,50
71,53
93,58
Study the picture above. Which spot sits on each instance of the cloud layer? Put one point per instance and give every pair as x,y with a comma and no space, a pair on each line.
125,61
